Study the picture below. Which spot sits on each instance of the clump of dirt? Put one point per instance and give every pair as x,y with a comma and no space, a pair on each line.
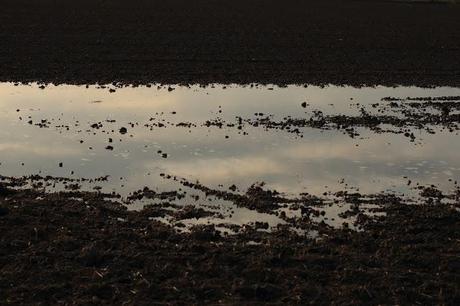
150,194
255,198
192,212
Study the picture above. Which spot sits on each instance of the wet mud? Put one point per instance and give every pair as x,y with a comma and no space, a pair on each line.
83,248
67,240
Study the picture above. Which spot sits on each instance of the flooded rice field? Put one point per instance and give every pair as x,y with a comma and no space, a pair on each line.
193,153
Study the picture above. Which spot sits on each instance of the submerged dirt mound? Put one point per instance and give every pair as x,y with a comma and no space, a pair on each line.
79,248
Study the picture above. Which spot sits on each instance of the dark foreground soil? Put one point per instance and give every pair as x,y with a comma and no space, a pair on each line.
238,41
76,248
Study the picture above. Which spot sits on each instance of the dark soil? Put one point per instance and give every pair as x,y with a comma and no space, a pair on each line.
239,41
77,248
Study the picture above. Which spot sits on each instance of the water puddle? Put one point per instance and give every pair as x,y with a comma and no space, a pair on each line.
296,140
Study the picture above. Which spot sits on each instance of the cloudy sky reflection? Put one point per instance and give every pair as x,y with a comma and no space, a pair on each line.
319,161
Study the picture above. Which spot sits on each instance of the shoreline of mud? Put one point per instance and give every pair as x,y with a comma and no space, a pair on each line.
81,248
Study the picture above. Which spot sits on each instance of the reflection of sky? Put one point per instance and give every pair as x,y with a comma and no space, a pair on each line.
284,162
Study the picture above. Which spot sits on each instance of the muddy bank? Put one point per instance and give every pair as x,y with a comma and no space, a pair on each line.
316,42
79,248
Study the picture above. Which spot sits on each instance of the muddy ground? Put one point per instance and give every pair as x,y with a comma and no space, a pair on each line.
81,248
210,41
78,247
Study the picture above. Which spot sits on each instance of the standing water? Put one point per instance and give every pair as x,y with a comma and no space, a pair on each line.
295,140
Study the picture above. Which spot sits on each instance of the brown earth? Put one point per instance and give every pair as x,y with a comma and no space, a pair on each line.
238,41
77,248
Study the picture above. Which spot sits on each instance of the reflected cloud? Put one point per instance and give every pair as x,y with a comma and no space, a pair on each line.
231,169
211,155
22,149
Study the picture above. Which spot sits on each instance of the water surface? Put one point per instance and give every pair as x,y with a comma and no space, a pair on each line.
72,131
